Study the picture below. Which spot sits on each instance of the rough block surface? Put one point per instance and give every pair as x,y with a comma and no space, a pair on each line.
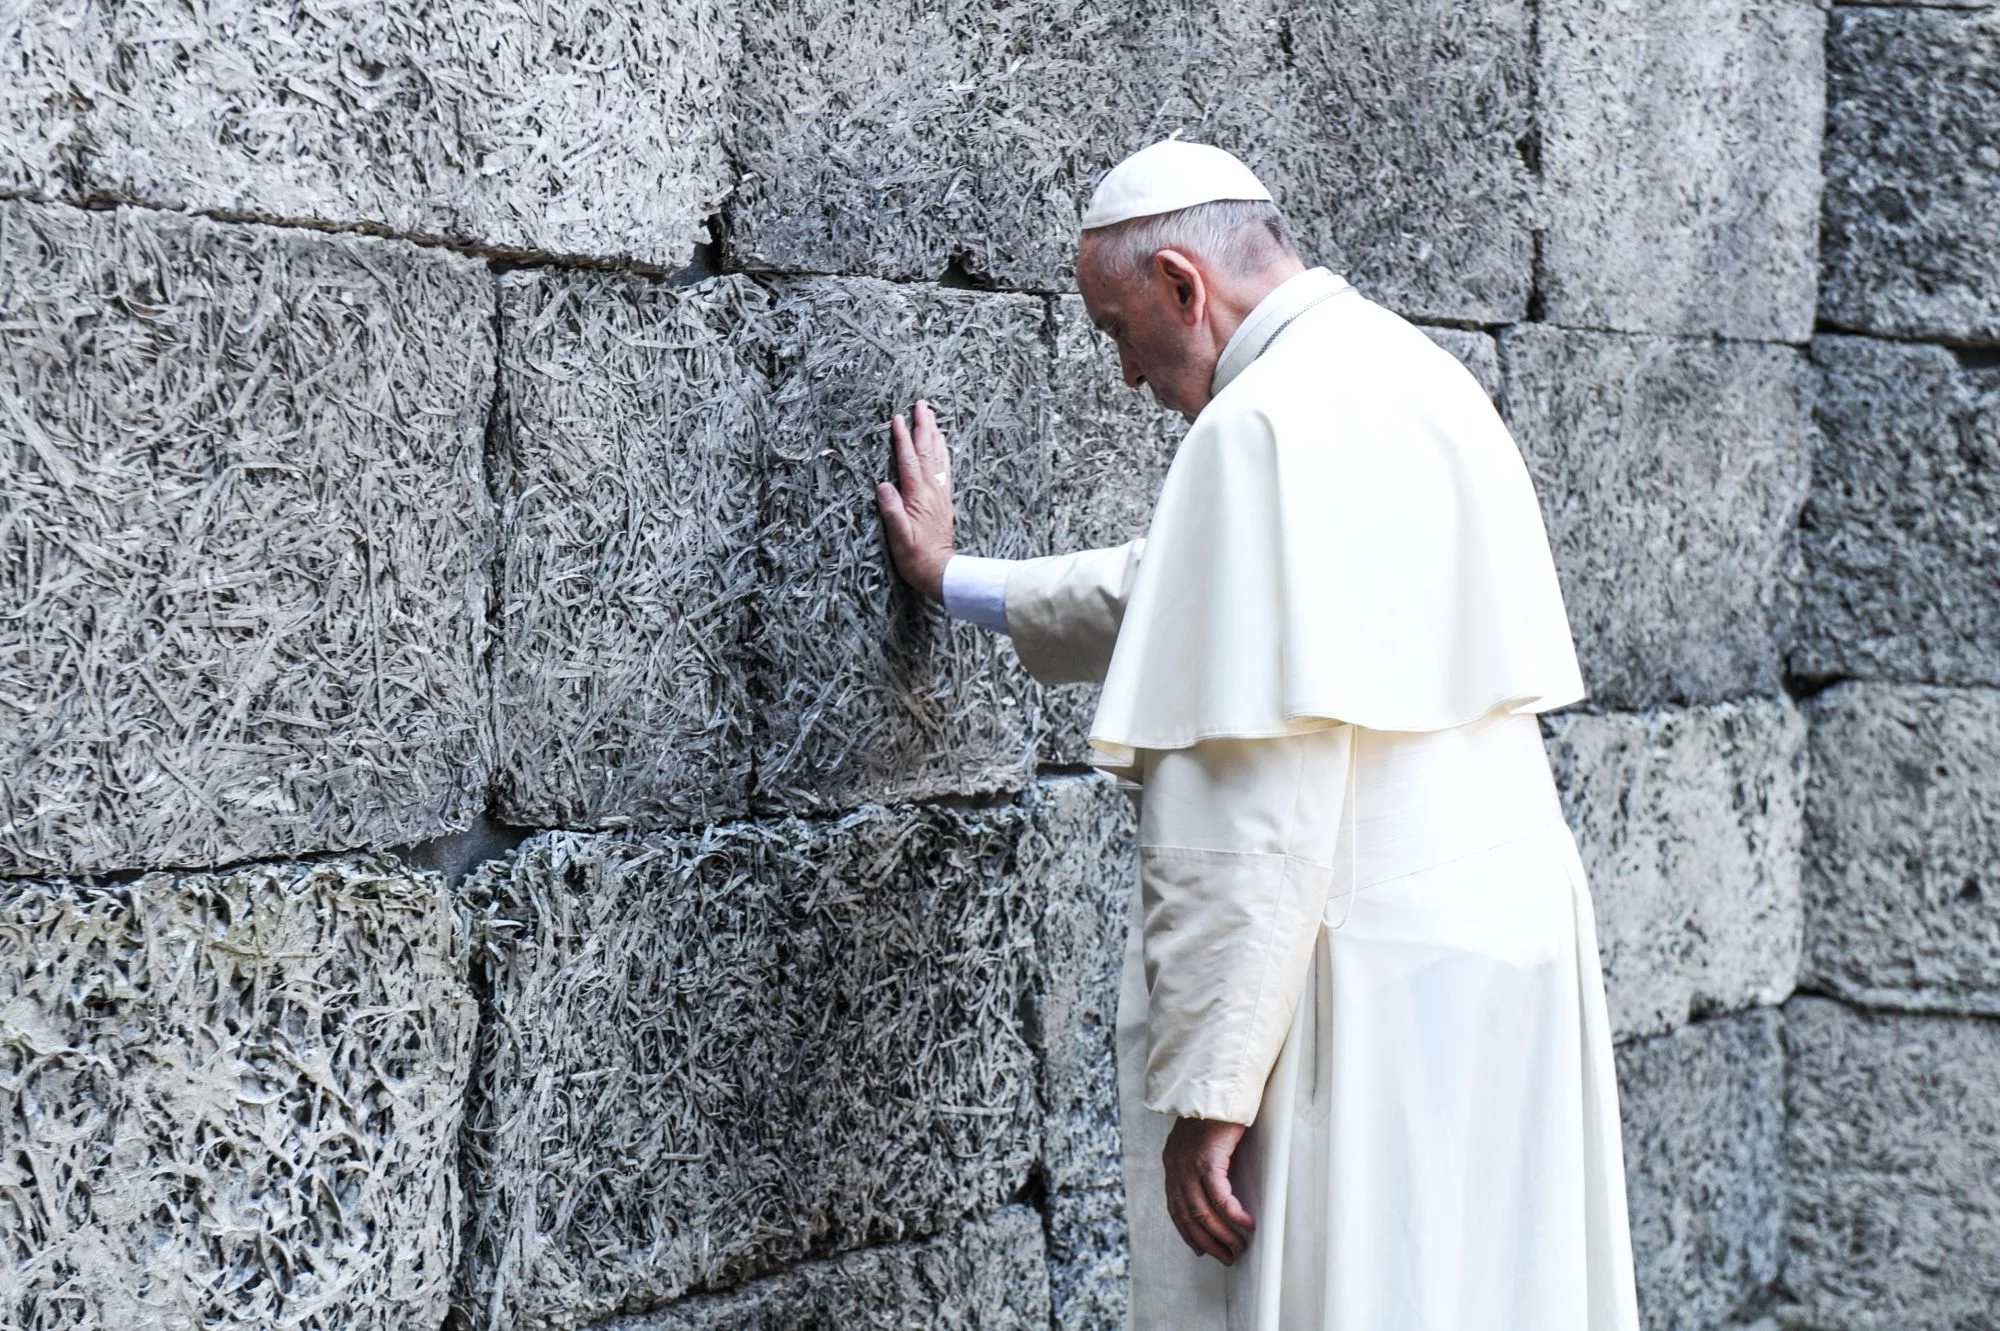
567,128
1903,864
1478,352
1090,1260
232,1100
1892,1147
48,52
1112,447
1901,531
1912,173
898,139
1704,1120
1690,825
628,443
985,1275
1680,147
1082,859
1670,474
243,535
712,1055
865,690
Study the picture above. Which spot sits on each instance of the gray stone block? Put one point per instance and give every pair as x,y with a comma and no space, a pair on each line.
244,530
552,131
1671,474
1900,534
898,139
711,1055
866,690
232,1100
628,438
1912,173
1704,1118
1112,447
1903,864
53,55
1396,135
1892,1147
1680,145
1090,1260
1082,860
984,1275
1478,352
1063,714
1690,825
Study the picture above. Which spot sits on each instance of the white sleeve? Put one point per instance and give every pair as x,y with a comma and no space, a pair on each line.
1236,847
975,589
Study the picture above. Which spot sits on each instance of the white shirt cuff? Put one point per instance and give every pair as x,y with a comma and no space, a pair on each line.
976,589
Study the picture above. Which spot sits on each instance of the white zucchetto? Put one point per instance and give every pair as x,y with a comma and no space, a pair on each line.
1166,177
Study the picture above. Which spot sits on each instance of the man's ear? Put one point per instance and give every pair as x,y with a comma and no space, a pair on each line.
1184,279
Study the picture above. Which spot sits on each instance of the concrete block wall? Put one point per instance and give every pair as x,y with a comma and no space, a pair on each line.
487,839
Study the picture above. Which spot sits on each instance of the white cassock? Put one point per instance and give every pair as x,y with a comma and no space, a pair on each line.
1361,925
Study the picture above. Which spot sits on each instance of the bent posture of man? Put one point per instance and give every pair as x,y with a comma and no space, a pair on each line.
1364,1060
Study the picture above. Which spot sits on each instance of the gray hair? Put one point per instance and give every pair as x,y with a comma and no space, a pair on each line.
1235,236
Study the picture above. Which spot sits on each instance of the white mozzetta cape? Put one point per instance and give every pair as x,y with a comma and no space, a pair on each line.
1346,535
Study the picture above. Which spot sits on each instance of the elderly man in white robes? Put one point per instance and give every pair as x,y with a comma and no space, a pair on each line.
1364,1059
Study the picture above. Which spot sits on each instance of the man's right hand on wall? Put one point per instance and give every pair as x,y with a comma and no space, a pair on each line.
916,510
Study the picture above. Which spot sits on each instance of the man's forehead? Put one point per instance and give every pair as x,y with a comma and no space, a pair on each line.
1099,295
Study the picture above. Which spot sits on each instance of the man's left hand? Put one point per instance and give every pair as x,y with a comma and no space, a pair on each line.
1203,1205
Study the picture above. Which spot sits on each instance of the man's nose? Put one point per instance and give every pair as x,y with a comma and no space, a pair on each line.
1133,379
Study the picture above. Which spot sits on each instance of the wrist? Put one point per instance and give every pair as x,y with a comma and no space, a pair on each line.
930,578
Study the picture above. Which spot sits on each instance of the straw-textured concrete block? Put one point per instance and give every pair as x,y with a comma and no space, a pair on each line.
1082,861
1476,351
628,445
1903,864
1090,1260
244,531
1112,444
1892,1147
1704,1121
232,1100
564,128
49,54
1901,530
896,139
1671,474
1680,144
866,690
1063,714
985,1275
1690,826
708,1056
1112,447
1913,173
1398,136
